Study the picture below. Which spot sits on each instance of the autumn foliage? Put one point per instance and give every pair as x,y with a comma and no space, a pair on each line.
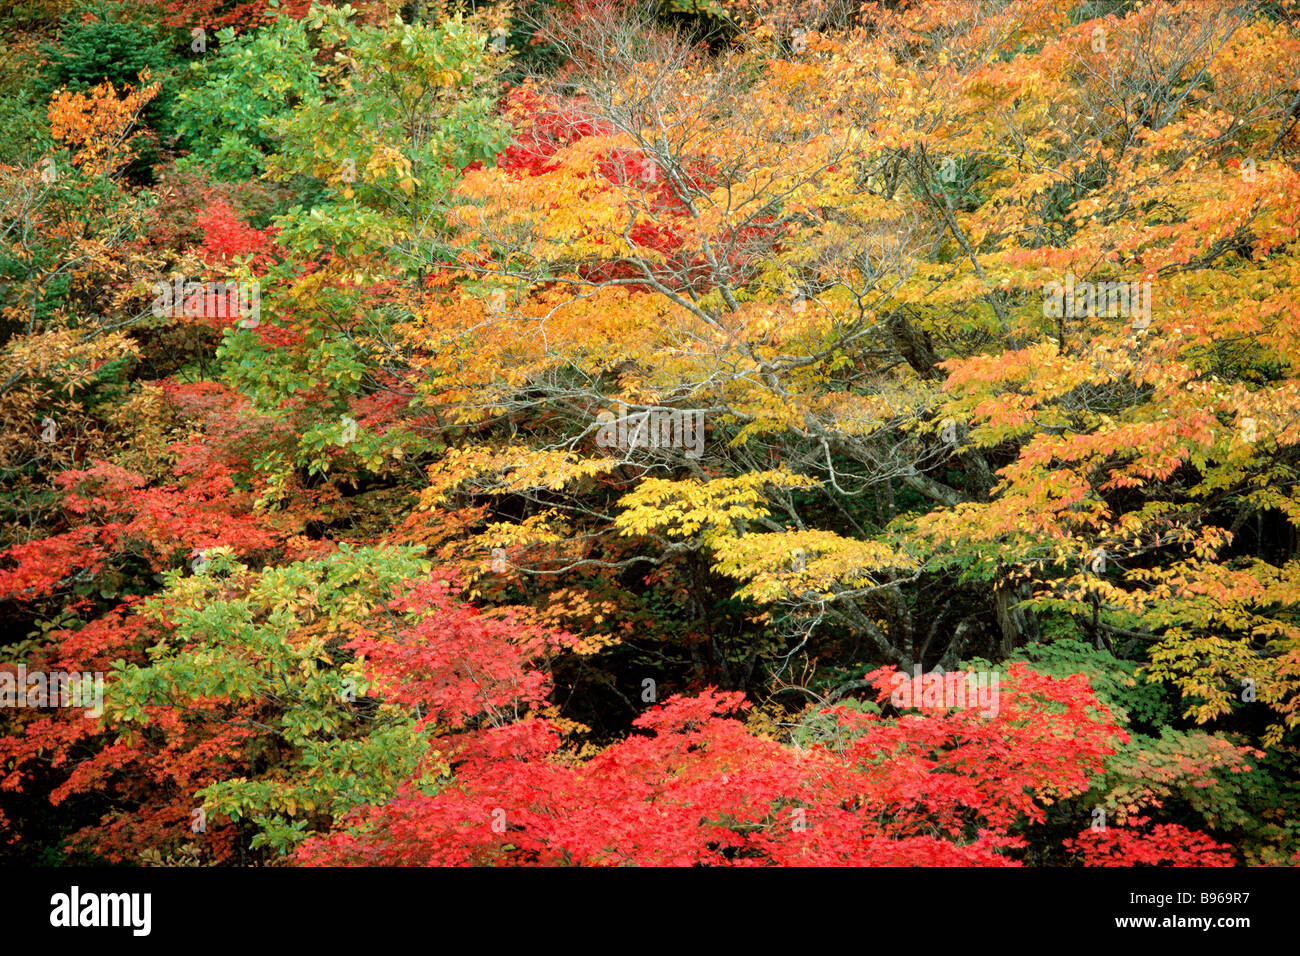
751,432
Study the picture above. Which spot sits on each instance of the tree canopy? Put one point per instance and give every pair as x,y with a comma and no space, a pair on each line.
598,432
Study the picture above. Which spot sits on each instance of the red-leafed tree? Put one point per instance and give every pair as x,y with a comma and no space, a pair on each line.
939,787
1161,844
